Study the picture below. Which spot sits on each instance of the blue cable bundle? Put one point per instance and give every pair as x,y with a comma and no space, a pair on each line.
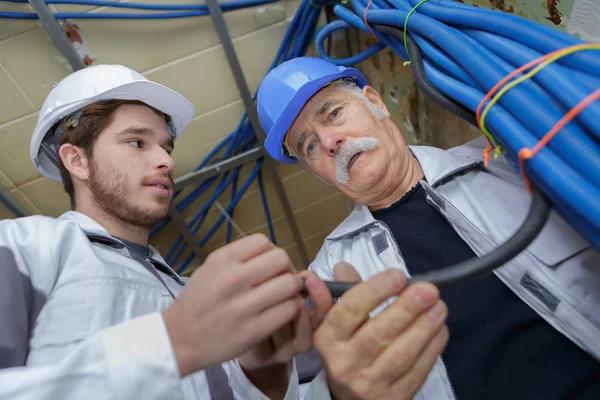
296,41
465,51
185,10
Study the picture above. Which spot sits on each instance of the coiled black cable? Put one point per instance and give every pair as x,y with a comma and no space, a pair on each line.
478,266
423,82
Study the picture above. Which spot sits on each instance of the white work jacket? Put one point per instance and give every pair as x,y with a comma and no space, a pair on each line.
80,318
558,275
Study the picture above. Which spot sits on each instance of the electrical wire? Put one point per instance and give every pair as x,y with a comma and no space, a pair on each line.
465,52
421,78
474,268
527,154
145,6
547,60
189,10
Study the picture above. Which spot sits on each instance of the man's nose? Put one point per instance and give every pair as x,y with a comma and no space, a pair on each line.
165,162
332,142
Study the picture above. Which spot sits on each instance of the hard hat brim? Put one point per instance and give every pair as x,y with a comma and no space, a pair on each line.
153,94
274,140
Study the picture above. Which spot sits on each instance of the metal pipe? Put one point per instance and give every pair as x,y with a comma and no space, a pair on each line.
188,236
11,204
240,80
217,168
57,34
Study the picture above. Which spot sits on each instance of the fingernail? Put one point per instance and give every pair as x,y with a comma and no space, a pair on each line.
394,278
426,297
312,284
442,335
437,312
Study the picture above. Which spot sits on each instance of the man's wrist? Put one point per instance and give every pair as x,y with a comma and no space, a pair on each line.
184,362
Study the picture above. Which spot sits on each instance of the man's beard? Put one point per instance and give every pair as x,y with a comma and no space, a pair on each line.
112,193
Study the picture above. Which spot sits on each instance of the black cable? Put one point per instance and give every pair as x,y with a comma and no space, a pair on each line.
328,18
348,43
479,266
423,82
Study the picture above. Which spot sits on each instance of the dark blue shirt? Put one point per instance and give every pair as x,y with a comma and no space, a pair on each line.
499,347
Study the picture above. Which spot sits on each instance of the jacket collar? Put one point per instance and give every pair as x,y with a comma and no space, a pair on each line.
438,165
93,229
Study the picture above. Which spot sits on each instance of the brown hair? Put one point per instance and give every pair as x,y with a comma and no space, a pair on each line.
94,119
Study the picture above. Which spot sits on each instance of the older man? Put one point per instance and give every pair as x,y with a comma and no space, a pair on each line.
531,329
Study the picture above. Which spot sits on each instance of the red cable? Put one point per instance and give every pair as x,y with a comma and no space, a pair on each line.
365,19
527,154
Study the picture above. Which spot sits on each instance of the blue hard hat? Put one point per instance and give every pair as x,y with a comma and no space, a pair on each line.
286,89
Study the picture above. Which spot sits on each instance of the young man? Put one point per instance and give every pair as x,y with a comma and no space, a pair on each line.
90,310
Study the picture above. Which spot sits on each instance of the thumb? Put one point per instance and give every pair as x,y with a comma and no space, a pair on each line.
345,272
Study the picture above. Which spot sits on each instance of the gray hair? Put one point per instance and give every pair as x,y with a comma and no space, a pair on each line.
350,87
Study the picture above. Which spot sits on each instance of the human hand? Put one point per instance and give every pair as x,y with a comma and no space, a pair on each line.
385,357
244,293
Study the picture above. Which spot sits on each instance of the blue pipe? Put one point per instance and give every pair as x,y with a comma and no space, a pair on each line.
441,58
336,26
201,11
156,7
585,199
358,23
538,115
532,34
196,222
229,209
79,15
568,168
518,54
556,79
453,41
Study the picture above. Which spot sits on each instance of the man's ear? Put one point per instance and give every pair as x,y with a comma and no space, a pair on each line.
376,99
75,161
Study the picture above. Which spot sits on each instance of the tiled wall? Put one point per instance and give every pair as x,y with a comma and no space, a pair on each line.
185,55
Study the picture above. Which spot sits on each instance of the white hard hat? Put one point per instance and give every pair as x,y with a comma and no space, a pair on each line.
92,84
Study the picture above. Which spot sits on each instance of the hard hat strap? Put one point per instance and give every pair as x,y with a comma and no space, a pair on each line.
51,142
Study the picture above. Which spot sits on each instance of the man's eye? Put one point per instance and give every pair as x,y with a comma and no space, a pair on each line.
310,148
335,113
136,143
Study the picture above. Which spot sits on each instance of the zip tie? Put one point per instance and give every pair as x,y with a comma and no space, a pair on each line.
406,29
228,217
550,57
526,154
